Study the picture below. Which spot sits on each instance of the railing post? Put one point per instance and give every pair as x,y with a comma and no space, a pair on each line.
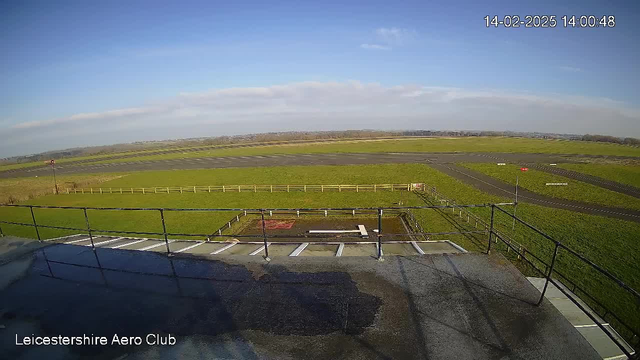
86,219
264,236
164,230
35,225
380,234
493,208
546,283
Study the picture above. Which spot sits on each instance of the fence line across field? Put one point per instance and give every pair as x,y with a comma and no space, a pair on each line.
248,188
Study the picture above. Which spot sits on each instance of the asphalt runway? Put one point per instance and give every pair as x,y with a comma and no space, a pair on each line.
499,188
287,160
441,161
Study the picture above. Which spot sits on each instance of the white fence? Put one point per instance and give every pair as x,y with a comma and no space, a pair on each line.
248,188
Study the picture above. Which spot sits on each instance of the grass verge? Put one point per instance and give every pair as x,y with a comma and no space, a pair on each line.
536,181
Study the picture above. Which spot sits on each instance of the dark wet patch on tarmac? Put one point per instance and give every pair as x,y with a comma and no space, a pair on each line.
72,290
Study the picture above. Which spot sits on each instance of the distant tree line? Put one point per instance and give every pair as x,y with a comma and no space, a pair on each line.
302,136
611,139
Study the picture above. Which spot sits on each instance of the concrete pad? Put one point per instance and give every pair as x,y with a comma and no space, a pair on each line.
281,249
320,250
571,311
117,243
96,239
601,342
437,248
141,245
398,249
174,246
206,248
242,249
360,250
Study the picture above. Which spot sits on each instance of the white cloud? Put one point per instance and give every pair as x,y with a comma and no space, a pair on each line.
375,47
325,106
395,36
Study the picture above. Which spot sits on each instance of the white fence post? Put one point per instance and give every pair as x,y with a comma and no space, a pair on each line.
223,190
271,186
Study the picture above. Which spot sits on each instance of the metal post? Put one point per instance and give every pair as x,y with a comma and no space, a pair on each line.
546,283
491,228
55,182
379,234
513,227
34,222
164,230
1,233
86,219
264,236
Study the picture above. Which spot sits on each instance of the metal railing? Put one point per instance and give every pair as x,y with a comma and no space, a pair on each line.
548,273
379,212
246,188
549,268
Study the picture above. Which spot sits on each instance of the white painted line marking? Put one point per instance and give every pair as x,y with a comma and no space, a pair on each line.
62,237
190,247
76,241
223,249
127,244
258,250
456,246
589,325
340,249
623,356
299,249
418,249
107,242
155,246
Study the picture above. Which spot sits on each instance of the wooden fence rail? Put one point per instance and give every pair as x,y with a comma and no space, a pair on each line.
248,188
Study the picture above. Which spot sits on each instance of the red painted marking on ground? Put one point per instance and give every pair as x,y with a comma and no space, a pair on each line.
276,224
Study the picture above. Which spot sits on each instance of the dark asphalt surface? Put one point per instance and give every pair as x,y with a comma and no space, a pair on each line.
441,161
466,306
496,187
283,160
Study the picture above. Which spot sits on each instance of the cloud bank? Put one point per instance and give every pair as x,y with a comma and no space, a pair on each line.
323,106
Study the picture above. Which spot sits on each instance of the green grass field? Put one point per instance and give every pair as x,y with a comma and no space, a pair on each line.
624,174
535,181
470,144
20,189
610,243
300,175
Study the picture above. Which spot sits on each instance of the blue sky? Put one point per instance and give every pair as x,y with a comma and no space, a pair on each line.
92,73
